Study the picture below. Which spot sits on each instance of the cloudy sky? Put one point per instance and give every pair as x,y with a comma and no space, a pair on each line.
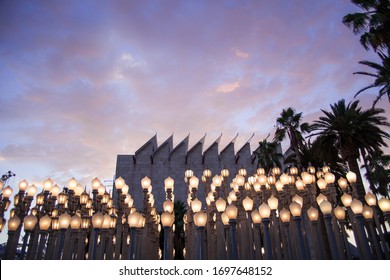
83,81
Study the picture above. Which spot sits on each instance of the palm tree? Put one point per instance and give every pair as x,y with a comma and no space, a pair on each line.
268,155
349,128
377,167
289,123
179,209
373,24
381,75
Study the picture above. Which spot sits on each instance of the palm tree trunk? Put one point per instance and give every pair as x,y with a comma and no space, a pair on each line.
368,169
294,144
354,167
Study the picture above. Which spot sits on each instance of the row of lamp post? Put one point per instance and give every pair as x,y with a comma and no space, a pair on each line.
279,216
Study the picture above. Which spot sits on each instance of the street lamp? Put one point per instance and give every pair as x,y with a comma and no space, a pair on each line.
167,220
200,220
231,212
326,209
265,212
357,209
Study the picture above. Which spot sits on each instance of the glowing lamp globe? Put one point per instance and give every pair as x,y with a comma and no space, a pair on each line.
368,213
260,171
232,196
273,202
351,177
299,184
55,191
7,192
196,205
321,183
101,190
169,184
356,206
194,182
295,209
220,204
252,180
242,172
370,199
29,222
167,219
346,199
75,222
312,213
343,183
64,221
247,202
240,180
32,191
276,170
326,207
298,199
262,179
217,180
256,218
225,218
271,180
168,206
207,173
284,179
231,212
79,190
225,173
384,204
285,215
44,223
265,211
145,183
13,223
320,198
23,185
125,189
200,219
306,177
329,177
293,170
257,186
106,221
188,173
339,212
47,185
72,184
279,186
119,183
97,220
134,219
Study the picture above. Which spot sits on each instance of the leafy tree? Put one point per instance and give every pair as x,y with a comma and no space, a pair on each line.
289,123
268,155
347,129
377,167
372,24
381,75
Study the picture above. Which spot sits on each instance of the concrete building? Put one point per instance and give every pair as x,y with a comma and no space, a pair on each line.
159,162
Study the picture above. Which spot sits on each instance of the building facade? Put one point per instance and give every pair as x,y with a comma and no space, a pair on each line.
161,161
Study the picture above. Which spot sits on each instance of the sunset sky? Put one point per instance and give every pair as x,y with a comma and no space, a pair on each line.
83,81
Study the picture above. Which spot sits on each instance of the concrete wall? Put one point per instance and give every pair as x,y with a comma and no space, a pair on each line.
159,162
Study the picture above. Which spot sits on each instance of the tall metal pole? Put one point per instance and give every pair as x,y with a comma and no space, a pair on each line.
363,241
331,237
301,247
267,239
234,249
201,243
